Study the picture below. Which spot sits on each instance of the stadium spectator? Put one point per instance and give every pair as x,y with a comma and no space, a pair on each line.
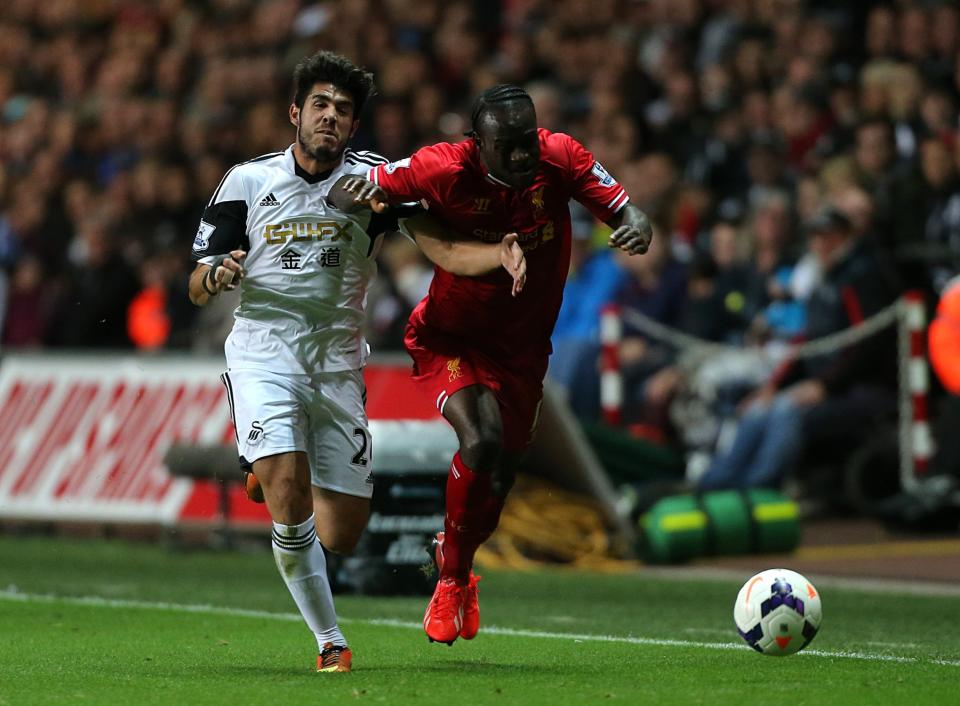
93,312
596,275
28,306
828,399
881,36
924,215
657,288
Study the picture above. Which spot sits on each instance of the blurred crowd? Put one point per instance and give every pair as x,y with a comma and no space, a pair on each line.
799,160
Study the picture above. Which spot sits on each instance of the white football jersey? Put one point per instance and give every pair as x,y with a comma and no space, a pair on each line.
308,265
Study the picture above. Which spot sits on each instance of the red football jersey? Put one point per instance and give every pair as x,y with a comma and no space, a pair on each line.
457,188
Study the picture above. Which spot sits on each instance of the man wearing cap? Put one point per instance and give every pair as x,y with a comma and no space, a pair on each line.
832,398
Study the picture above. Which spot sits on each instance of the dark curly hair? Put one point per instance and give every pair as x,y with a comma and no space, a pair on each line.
325,66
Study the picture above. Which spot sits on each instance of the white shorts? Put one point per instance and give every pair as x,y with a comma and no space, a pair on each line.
322,415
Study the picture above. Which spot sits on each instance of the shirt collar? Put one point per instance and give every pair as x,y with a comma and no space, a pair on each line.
307,176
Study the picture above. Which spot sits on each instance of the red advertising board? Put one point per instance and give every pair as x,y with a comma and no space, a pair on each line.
84,437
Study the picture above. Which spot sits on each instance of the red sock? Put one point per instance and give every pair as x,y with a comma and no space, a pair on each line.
473,511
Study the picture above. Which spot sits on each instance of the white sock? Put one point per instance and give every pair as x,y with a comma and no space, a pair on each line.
303,567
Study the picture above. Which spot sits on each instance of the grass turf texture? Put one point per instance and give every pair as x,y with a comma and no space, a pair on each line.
130,649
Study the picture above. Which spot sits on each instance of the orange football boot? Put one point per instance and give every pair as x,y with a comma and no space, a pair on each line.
254,489
334,658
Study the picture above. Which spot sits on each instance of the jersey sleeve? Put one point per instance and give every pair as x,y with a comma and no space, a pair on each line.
591,184
418,177
223,226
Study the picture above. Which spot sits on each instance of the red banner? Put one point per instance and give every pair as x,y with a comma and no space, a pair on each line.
83,438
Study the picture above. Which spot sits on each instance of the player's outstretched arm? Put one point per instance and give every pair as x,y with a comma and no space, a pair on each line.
352,192
632,231
208,281
467,257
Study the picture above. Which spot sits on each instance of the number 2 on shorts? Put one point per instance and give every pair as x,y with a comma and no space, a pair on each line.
360,458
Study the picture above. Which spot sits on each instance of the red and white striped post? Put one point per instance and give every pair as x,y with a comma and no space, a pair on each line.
918,385
611,381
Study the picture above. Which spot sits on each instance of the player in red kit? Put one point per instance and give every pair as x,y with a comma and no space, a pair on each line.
479,346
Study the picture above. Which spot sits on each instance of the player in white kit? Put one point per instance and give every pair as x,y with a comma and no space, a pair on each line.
296,353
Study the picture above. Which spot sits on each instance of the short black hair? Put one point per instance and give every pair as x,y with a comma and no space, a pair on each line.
325,66
501,93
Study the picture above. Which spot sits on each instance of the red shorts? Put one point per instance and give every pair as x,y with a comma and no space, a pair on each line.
442,365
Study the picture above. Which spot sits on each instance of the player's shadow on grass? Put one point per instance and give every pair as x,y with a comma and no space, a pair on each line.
241,672
466,666
457,666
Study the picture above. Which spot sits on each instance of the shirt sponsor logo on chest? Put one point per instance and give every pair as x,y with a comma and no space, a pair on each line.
299,231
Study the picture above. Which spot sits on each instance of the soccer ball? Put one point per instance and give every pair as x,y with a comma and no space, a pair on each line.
777,612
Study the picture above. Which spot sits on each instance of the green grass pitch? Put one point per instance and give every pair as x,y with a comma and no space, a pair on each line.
114,623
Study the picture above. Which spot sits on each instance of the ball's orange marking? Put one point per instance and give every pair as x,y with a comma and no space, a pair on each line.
810,591
783,641
750,588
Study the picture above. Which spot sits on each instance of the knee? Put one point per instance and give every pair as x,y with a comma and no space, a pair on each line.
288,493
482,451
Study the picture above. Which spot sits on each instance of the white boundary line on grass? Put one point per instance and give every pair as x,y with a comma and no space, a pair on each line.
96,601
663,642
863,584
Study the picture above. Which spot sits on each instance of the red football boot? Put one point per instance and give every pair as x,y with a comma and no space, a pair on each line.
471,603
444,616
471,609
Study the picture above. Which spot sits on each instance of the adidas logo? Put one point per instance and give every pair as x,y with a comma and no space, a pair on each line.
269,200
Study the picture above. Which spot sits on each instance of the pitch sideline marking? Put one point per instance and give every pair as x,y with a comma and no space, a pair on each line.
885,586
664,642
95,601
